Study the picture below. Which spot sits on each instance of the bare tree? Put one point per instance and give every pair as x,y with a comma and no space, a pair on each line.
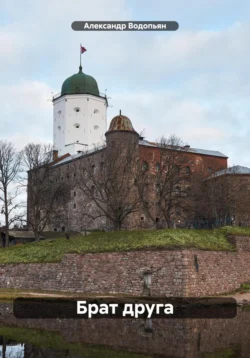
45,189
108,187
168,190
9,190
225,195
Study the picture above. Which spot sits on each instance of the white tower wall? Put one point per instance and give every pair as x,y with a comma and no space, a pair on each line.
80,123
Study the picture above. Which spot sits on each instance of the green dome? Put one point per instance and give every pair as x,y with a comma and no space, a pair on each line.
80,83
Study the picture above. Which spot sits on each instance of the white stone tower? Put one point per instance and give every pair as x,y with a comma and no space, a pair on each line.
80,115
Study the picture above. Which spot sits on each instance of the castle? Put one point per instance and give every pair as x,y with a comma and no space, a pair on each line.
84,153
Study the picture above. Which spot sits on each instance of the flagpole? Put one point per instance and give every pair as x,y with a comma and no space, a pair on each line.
80,55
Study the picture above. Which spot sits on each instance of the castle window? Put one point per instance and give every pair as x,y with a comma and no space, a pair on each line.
55,229
177,189
157,220
188,171
59,127
92,190
177,169
145,166
209,170
77,109
74,206
157,167
142,218
74,193
93,169
96,127
96,111
59,112
157,188
77,125
63,228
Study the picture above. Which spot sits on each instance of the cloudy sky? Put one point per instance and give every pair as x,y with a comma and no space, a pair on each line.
193,82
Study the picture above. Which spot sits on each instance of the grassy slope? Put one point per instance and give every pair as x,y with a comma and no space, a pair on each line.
53,250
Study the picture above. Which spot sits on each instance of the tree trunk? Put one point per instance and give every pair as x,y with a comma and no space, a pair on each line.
6,218
36,233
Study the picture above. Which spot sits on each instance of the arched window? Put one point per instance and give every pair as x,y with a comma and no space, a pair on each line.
188,170
177,169
157,167
93,168
145,166
178,189
77,109
157,188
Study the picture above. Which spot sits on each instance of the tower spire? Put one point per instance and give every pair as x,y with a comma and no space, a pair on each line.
82,50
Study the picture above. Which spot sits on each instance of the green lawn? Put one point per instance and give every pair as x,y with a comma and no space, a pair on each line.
53,250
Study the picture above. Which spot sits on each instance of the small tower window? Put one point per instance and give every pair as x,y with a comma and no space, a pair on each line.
96,127
59,127
144,166
188,171
74,206
157,188
157,167
77,125
96,111
77,109
74,193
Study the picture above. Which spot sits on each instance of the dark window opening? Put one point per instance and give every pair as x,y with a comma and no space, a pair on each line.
74,206
74,193
188,171
157,220
145,166
63,228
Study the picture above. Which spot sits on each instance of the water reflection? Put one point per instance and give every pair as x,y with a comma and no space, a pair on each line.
124,338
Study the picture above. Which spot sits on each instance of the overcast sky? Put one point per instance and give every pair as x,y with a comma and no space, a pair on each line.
193,82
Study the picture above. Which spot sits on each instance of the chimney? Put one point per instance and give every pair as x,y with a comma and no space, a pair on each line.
55,155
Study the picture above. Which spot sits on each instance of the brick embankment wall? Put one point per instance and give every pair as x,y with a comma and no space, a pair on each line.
173,272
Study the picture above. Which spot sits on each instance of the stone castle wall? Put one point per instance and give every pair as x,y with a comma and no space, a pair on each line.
173,273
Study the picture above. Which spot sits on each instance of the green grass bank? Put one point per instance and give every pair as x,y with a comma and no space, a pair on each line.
170,239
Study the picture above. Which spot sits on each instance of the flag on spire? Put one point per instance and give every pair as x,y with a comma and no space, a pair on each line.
83,49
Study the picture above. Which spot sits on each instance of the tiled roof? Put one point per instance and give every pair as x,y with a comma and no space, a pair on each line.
69,158
237,169
189,150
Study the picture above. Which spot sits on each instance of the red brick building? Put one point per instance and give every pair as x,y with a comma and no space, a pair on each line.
82,211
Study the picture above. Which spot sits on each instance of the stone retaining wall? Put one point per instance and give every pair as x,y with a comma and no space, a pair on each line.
173,272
